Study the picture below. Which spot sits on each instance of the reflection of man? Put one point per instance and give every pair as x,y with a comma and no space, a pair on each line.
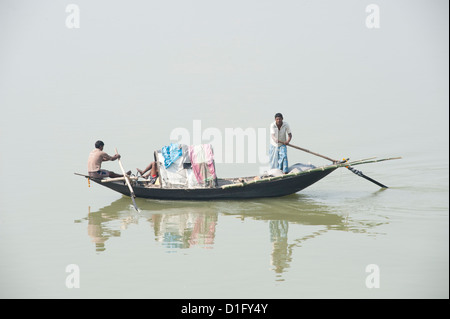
280,136
103,225
281,254
96,232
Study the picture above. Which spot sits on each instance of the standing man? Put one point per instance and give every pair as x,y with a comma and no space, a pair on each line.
280,136
96,157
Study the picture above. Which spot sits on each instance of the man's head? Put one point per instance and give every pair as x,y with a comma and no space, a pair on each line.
279,119
99,145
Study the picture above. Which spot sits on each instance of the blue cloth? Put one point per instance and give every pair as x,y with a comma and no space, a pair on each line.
278,157
171,153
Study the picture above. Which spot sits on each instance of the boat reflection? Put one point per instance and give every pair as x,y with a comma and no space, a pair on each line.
293,210
181,225
184,230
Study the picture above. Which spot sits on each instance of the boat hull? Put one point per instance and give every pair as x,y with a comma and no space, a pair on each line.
268,188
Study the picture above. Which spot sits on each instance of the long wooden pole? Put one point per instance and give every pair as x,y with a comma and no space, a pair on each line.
308,151
115,179
353,170
127,180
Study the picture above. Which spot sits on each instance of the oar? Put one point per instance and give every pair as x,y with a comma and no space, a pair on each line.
353,170
308,151
359,173
128,183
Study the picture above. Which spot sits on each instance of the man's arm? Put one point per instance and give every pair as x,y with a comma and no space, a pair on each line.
107,157
288,131
289,139
274,138
273,134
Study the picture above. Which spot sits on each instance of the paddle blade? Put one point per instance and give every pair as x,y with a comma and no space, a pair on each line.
359,173
134,204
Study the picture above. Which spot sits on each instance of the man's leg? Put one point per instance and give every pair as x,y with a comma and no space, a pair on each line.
152,170
146,169
283,160
114,175
273,156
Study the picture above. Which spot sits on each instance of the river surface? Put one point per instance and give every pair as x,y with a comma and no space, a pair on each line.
314,244
134,75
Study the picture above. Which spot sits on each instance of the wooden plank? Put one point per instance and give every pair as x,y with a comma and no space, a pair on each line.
155,154
116,179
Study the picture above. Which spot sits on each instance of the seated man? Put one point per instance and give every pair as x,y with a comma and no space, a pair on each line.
96,157
152,174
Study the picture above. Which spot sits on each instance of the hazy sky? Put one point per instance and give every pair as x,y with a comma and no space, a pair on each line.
135,70
138,69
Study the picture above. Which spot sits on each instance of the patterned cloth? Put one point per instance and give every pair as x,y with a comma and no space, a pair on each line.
278,157
202,162
171,153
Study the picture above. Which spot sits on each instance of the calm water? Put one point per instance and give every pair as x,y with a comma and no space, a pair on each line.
316,243
132,74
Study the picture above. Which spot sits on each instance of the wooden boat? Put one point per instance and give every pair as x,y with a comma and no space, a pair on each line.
229,188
